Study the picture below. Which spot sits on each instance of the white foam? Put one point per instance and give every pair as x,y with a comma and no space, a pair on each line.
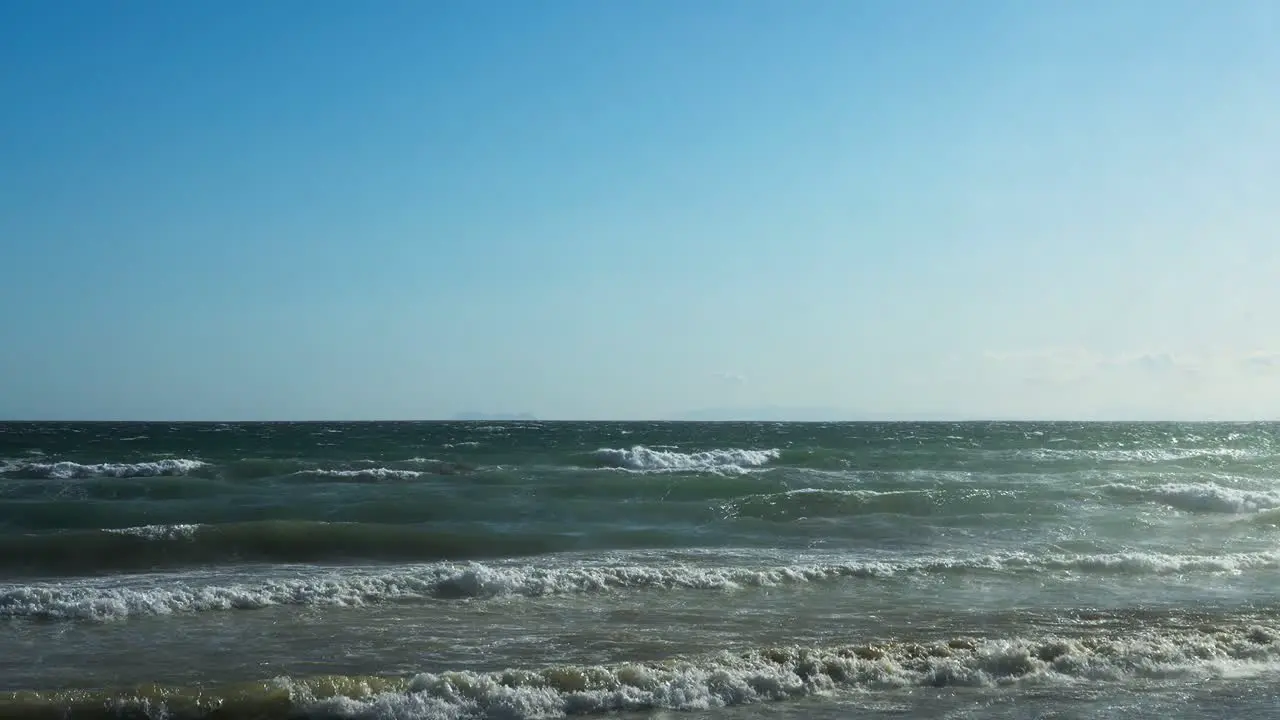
377,474
644,459
1215,498
70,470
107,600
1144,563
786,673
1203,497
158,532
1146,455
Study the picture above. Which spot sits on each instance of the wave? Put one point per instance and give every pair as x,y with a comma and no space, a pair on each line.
644,459
1206,457
367,475
237,470
288,541
157,532
472,581
764,674
935,502
1200,497
66,470
186,480
1268,518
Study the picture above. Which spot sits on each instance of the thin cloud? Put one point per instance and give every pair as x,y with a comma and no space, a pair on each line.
1065,365
1262,362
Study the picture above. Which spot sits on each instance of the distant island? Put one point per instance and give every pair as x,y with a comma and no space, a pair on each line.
493,416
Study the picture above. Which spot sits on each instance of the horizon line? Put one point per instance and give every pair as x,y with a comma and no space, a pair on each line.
686,421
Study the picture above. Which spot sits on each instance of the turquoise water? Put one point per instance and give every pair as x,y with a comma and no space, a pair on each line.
511,570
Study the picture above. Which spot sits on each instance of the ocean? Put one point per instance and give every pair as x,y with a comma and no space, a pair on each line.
667,570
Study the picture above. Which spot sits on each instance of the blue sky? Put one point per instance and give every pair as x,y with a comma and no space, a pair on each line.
404,209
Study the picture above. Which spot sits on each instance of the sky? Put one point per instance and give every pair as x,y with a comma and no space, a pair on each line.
640,210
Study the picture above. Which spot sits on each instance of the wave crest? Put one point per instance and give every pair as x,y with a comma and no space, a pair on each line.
762,674
159,533
365,475
643,459
453,581
67,470
1202,497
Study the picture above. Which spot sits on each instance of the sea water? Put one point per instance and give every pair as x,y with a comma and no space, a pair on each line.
692,570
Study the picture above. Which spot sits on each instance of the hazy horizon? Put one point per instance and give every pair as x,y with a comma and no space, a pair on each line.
833,417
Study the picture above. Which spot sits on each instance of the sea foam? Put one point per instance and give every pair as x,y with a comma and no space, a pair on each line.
1201,497
375,474
789,673
70,470
107,600
757,675
185,531
644,459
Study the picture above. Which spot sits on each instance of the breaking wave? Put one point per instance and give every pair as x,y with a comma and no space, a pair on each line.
644,459
451,581
71,470
764,674
372,475
1201,497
